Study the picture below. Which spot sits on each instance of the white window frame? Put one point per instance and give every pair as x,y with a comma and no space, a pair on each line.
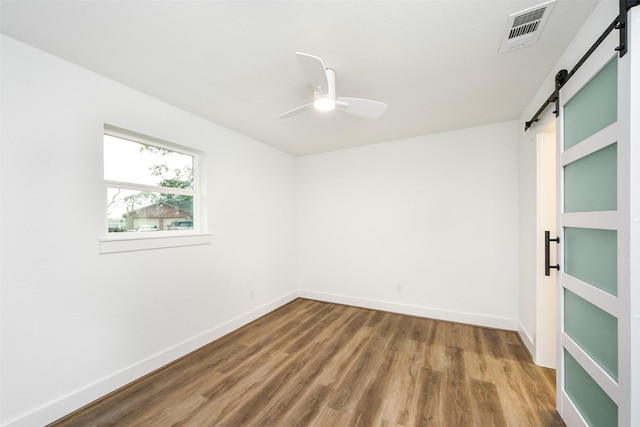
124,242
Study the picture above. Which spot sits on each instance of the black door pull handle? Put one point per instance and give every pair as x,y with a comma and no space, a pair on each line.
547,255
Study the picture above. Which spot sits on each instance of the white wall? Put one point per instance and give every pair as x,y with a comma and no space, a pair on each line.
527,189
604,13
77,324
437,215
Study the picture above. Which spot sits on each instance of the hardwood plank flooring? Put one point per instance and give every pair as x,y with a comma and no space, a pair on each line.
311,363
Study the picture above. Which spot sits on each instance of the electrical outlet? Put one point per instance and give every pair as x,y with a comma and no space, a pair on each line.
250,293
399,288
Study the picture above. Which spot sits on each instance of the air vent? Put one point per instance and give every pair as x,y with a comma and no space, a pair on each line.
523,28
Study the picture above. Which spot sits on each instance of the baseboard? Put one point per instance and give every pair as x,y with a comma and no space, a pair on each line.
84,396
415,310
526,338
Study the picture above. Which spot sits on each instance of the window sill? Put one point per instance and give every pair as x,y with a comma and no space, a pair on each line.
128,244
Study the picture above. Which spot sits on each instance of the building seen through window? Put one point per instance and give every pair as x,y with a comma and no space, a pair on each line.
150,187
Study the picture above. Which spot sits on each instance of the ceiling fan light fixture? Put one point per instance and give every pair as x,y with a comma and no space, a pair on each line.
323,81
324,103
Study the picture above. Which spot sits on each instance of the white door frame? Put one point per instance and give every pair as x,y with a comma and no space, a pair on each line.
545,334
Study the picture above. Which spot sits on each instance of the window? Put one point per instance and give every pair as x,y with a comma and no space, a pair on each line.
151,187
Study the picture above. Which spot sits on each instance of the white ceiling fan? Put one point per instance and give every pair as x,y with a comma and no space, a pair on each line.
323,80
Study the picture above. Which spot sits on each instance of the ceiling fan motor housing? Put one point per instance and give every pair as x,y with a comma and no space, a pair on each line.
323,81
326,102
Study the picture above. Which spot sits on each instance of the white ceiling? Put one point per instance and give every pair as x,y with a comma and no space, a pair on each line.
435,62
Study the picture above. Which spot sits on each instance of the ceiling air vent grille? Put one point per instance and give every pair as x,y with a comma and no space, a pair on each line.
527,23
523,28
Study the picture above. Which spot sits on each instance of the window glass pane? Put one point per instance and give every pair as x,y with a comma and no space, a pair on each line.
593,403
593,108
591,256
128,161
130,210
590,184
595,330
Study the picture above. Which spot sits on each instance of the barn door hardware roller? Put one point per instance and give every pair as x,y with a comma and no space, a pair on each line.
620,24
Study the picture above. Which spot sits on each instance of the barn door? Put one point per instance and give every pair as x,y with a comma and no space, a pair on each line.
589,347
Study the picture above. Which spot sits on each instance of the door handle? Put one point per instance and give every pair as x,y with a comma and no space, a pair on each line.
547,253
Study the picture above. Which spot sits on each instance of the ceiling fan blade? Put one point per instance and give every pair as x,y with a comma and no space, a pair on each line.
316,72
362,107
295,111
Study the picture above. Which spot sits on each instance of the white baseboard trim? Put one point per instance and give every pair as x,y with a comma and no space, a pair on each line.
415,310
81,397
527,340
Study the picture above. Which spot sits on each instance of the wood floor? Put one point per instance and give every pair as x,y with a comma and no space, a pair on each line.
317,364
